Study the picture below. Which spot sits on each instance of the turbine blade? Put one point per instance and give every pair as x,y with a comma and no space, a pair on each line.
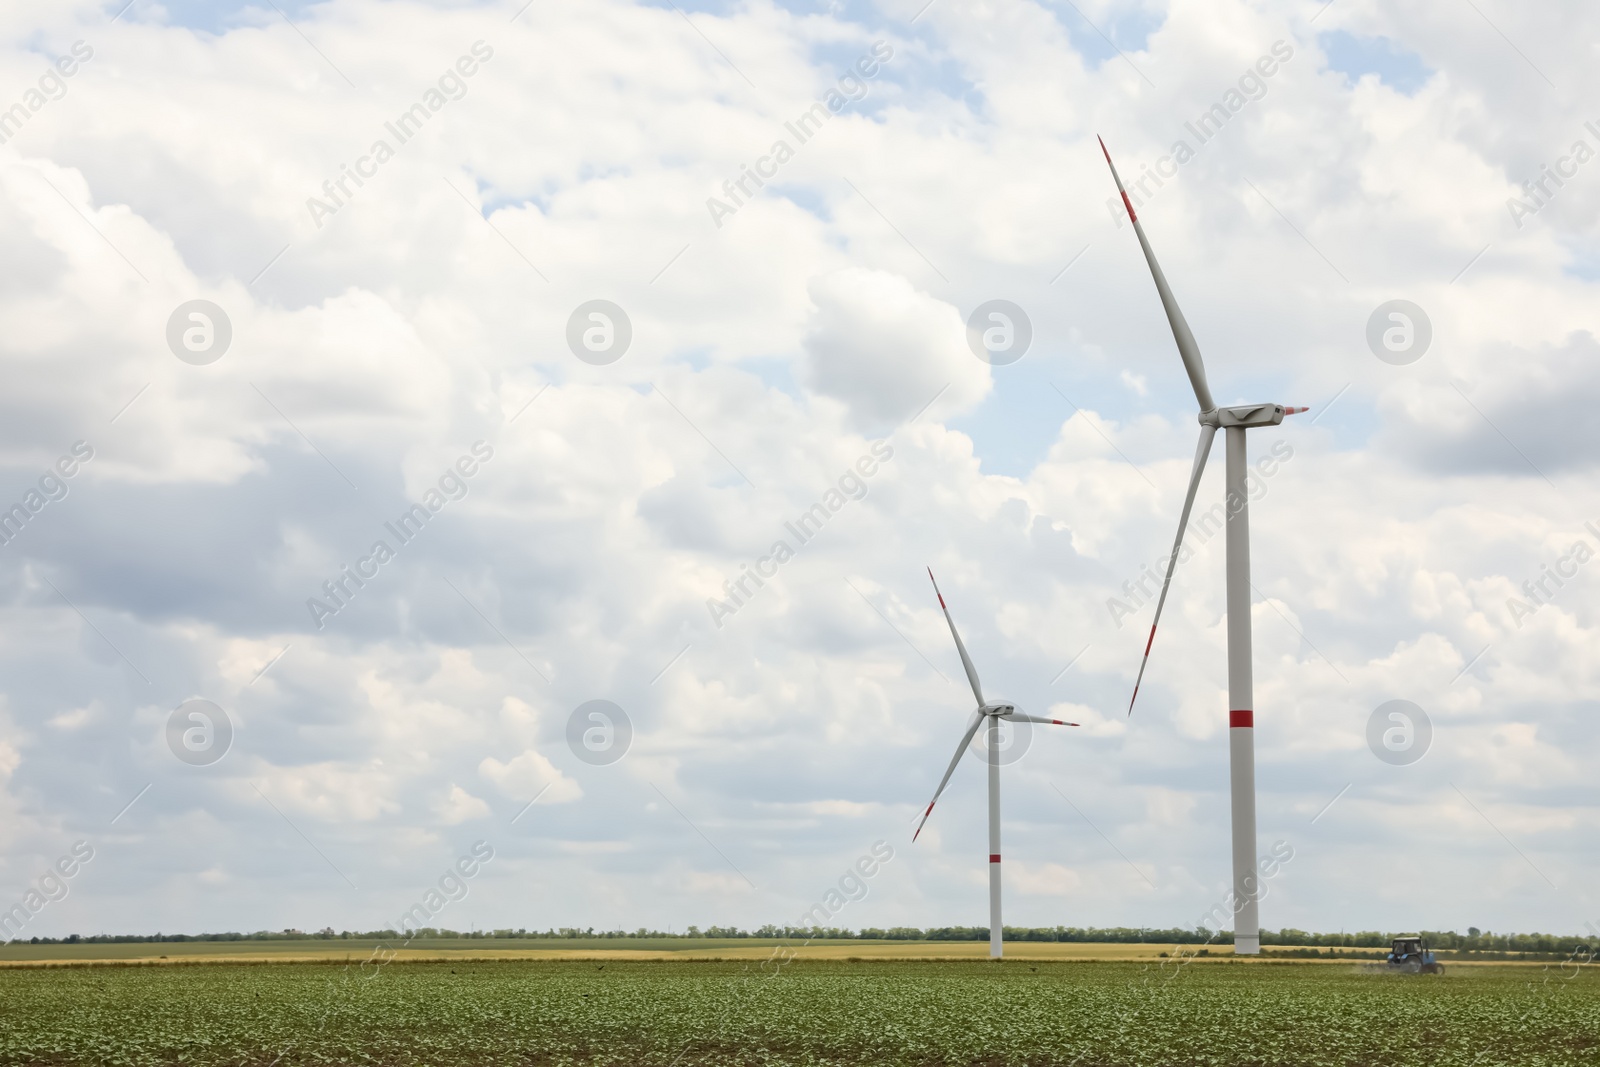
1201,453
966,661
1017,716
966,739
1180,327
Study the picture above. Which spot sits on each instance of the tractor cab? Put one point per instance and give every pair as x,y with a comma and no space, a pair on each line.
1410,953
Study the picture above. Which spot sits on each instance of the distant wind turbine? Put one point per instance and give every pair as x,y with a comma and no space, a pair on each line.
992,713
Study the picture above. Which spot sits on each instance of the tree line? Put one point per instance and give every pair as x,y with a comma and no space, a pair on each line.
1474,940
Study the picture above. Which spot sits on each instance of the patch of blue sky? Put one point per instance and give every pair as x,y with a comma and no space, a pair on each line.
860,11
590,172
496,201
1014,428
1099,38
852,69
210,16
1349,417
1353,56
775,372
910,72
1583,262
49,46
717,8
697,359
913,73
919,75
806,197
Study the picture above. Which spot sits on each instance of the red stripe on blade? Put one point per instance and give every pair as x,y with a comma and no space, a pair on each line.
1125,201
1241,717
1150,642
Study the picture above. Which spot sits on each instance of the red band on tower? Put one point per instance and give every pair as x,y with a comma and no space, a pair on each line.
995,858
1244,717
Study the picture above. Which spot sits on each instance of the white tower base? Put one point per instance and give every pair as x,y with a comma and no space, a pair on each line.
1241,702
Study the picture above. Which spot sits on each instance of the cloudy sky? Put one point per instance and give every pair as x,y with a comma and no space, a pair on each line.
398,218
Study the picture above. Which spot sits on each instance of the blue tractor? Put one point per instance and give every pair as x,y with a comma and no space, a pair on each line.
1410,955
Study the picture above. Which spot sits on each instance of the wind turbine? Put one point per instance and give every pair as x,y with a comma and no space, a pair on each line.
1241,698
993,713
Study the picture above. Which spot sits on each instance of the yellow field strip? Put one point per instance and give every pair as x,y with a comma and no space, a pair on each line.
340,952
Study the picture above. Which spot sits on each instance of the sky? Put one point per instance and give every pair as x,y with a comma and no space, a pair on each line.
477,283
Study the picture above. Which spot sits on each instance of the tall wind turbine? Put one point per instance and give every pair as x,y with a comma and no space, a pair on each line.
992,713
1241,699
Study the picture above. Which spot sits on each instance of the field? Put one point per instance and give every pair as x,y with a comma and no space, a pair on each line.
804,1011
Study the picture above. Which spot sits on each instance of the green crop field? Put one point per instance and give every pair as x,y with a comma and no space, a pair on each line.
680,1012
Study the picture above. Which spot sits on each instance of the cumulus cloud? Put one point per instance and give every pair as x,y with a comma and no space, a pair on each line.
1044,879
886,349
528,775
460,806
1511,410
332,791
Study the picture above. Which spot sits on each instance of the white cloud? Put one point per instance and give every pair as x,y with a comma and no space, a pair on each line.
1044,879
330,791
887,350
529,775
460,806
74,718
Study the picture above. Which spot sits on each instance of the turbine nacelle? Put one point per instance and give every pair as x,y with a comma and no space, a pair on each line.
1246,416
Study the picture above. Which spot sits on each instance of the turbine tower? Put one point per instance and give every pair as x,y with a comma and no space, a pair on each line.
992,713
1241,699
